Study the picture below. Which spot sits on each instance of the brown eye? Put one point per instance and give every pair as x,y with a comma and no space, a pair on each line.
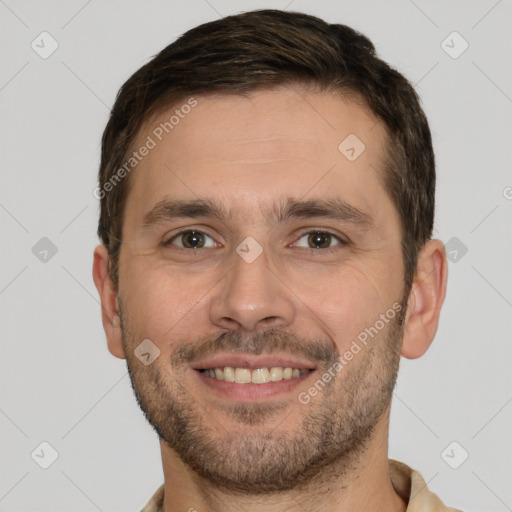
319,239
191,240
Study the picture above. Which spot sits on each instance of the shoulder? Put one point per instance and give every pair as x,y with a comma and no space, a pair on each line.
411,486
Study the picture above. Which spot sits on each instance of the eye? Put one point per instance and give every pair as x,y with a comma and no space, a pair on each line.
318,240
191,239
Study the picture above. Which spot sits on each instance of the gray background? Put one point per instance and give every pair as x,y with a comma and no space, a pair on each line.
59,383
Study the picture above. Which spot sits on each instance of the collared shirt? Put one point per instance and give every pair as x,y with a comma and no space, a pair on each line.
408,484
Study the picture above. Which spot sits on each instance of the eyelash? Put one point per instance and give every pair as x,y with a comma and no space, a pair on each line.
341,242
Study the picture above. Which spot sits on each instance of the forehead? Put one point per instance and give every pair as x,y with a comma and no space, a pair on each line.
285,112
288,140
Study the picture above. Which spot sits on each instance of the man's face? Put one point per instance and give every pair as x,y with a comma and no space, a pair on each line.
290,253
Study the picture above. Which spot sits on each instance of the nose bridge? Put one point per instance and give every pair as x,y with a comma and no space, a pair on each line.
251,294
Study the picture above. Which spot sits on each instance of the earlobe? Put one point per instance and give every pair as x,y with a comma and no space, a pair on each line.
425,299
109,302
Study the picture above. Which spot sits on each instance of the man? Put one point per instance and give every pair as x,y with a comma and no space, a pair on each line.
267,202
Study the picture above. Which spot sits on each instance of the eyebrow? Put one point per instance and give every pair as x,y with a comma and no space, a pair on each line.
334,208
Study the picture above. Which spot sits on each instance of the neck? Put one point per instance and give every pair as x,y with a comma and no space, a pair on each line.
365,486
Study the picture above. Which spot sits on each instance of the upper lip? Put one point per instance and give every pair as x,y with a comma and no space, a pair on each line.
252,361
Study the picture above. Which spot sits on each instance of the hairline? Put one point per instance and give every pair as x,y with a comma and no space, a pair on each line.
171,100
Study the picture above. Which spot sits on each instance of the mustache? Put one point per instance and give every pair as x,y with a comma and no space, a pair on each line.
268,341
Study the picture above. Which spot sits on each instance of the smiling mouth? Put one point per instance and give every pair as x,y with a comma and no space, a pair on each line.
240,375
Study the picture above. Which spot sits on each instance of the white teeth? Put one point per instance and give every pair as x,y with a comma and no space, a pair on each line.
229,374
256,376
260,376
242,375
276,373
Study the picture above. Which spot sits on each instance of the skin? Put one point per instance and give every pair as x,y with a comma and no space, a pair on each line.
248,154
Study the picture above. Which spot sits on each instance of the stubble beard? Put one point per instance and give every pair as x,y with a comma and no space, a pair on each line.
235,453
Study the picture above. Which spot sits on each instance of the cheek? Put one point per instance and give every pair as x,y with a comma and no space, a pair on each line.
164,304
346,301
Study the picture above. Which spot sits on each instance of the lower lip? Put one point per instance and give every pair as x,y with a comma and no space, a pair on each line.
252,392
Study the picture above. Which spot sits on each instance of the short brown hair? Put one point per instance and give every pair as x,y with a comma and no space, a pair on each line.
264,49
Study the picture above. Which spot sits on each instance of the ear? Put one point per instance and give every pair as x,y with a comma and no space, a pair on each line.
109,304
425,299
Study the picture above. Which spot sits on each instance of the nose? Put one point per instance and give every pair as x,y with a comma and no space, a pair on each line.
252,296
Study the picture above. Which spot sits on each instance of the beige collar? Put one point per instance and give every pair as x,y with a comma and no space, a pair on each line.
408,484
